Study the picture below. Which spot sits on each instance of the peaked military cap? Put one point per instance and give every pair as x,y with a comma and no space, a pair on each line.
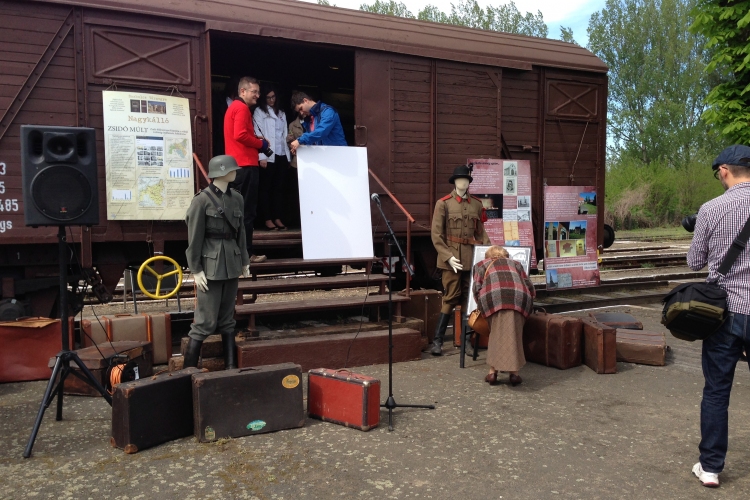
461,172
221,165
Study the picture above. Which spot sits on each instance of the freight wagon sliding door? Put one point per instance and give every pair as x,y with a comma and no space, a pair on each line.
574,132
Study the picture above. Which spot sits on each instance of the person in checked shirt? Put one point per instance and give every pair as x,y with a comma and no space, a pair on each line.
718,223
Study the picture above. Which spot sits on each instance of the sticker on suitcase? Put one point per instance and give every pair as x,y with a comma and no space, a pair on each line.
290,381
210,434
256,425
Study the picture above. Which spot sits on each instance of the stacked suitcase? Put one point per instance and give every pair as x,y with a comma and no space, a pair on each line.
155,328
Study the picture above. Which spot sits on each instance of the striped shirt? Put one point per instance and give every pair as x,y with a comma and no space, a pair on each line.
719,222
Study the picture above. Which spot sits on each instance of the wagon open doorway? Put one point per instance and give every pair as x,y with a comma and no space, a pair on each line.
323,72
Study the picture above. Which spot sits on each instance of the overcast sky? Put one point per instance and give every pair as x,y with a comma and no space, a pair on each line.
572,13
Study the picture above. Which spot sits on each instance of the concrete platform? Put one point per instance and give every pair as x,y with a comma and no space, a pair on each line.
561,434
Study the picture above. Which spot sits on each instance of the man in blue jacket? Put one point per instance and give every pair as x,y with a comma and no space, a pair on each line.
323,128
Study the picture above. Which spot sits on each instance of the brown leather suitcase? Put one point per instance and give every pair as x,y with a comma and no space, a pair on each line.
600,349
27,344
160,334
245,401
152,410
97,359
553,340
151,327
208,364
641,346
618,320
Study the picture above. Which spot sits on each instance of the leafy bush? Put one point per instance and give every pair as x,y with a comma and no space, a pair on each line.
657,194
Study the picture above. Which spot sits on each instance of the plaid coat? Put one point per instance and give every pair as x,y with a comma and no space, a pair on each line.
505,286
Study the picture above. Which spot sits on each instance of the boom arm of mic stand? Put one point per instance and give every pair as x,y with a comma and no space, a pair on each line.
395,241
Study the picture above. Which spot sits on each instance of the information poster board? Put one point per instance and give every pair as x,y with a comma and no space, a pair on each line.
504,186
148,156
570,259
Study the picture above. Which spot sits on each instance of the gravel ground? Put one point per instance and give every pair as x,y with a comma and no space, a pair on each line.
561,434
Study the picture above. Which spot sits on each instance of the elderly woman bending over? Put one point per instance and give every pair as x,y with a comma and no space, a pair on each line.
504,294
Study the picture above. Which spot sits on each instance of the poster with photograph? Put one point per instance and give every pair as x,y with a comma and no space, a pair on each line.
148,156
504,186
570,258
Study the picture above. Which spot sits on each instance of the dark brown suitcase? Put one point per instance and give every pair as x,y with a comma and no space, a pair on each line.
97,359
599,346
641,346
553,340
235,403
618,320
208,364
153,410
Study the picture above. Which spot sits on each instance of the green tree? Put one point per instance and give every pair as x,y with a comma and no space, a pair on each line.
657,79
504,17
390,8
566,35
726,26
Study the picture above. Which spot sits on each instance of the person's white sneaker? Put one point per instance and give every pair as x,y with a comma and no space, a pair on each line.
709,479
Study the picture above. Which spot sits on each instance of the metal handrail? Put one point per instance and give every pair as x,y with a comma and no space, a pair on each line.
409,222
202,170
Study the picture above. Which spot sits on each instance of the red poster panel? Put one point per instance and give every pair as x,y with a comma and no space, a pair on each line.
504,186
570,259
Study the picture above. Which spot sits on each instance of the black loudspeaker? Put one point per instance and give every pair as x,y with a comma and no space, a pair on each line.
59,176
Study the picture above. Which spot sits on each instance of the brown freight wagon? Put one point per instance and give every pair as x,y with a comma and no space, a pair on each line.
422,97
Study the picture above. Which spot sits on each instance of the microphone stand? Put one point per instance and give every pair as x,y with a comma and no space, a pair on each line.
390,403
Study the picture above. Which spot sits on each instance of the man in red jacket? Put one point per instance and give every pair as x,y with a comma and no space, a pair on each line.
241,143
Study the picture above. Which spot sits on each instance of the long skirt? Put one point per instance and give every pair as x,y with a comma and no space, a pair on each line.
505,348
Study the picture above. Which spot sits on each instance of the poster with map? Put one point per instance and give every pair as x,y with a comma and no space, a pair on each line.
570,252
148,156
504,187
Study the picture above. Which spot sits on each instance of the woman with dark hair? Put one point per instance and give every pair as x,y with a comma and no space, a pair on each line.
270,122
504,294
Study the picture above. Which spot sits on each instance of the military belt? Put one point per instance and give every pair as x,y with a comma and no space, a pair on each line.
463,241
219,236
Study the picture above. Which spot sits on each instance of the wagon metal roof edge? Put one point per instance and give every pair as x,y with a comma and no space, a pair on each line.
296,20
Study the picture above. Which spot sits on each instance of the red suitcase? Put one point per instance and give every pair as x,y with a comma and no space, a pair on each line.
27,345
343,397
553,340
600,346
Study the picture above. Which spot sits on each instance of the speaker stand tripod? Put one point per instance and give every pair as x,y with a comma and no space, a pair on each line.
64,357
390,403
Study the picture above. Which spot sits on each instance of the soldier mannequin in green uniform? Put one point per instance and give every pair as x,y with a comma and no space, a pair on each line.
217,256
457,225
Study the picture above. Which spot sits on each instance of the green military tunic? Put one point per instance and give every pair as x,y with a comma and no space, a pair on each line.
456,227
214,250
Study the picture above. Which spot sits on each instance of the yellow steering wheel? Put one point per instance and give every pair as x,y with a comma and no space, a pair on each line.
146,267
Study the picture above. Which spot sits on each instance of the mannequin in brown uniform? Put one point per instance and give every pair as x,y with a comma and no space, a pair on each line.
457,225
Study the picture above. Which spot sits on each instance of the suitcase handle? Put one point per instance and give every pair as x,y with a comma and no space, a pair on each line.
539,309
247,369
123,315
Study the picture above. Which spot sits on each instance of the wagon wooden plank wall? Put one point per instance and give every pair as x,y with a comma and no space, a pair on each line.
422,97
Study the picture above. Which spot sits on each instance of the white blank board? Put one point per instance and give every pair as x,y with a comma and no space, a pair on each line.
334,202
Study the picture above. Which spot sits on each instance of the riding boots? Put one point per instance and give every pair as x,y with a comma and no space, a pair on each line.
192,353
230,351
437,343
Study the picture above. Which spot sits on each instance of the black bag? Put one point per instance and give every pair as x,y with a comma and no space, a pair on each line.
695,311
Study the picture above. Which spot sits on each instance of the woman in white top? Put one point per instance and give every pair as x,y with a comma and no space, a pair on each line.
270,122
